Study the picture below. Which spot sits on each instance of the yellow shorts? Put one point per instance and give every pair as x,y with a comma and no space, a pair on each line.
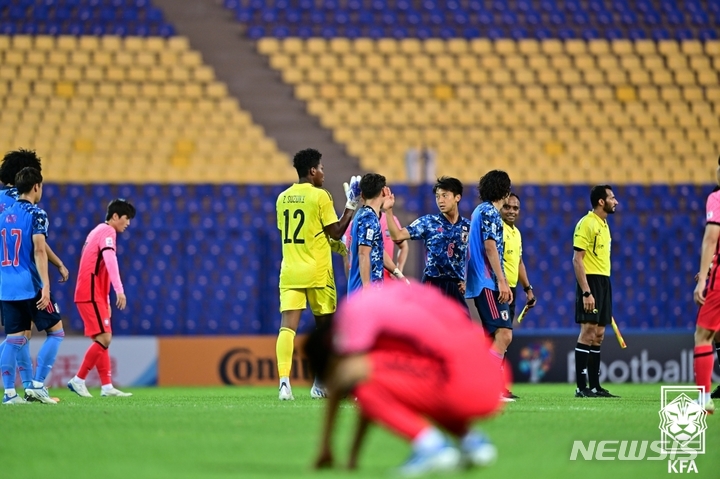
322,300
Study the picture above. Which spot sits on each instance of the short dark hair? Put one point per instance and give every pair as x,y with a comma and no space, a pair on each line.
371,185
318,349
14,161
26,179
514,195
448,183
599,192
306,159
122,207
494,186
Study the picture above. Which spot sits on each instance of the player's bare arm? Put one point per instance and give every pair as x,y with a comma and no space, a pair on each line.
57,262
393,268
41,261
343,374
396,233
364,264
525,282
505,295
360,433
403,253
579,267
337,230
710,240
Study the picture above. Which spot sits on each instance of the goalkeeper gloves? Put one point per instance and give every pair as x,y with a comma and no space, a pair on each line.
352,192
338,247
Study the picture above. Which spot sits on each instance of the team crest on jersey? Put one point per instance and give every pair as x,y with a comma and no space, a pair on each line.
464,236
369,234
109,242
11,219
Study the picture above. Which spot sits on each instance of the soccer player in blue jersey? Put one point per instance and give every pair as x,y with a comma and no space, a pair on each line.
12,163
25,287
486,283
366,251
446,238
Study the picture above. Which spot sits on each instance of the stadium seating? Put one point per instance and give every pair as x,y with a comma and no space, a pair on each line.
560,94
128,109
638,111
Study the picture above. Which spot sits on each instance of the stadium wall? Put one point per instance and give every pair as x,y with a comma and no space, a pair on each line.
204,259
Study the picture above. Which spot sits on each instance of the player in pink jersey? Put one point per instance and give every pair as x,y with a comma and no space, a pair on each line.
707,296
98,269
388,245
411,358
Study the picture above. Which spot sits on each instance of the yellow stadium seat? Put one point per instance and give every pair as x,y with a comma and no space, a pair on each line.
292,46
36,58
41,42
316,45
387,46
708,78
433,46
551,47
645,47
528,47
599,47
178,44
66,43
653,62
191,59
339,46
480,46
668,47
505,47
15,58
268,46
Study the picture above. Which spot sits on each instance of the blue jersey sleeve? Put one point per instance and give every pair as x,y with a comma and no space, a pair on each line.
39,222
418,229
368,226
489,227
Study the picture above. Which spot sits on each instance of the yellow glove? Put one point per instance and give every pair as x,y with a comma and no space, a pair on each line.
338,247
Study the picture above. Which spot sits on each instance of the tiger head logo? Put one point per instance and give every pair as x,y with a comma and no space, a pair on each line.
683,421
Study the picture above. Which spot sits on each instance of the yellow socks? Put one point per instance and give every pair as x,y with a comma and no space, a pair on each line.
284,351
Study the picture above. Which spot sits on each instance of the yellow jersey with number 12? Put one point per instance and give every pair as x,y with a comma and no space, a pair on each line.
303,211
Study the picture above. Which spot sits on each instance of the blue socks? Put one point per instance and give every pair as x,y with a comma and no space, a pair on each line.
13,344
48,353
24,364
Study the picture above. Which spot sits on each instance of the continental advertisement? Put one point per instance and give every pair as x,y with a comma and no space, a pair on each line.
225,360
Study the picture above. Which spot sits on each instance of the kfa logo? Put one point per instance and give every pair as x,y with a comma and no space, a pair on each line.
682,426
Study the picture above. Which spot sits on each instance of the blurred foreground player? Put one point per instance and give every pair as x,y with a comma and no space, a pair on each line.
410,357
99,268
25,288
707,295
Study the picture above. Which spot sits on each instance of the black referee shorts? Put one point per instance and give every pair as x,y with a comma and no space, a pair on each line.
450,287
512,305
601,290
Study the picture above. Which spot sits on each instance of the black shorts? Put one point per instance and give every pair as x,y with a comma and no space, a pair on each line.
19,316
450,287
493,315
601,290
511,306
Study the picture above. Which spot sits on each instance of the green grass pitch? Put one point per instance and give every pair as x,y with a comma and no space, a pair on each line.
247,433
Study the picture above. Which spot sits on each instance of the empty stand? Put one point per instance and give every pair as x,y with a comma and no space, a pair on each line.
547,111
128,109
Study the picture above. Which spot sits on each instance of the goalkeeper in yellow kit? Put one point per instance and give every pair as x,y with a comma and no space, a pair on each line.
310,230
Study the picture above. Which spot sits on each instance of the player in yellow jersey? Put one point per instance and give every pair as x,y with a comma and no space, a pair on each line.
593,291
308,224
513,263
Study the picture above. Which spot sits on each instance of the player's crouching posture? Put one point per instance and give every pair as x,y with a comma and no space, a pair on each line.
99,268
410,357
707,295
25,288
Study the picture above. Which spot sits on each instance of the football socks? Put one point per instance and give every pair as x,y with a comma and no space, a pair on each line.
284,351
48,353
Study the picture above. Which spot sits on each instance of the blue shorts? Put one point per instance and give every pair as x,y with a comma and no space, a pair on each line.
450,287
493,315
18,316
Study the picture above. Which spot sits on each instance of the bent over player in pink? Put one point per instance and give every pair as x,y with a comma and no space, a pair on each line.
410,357
98,269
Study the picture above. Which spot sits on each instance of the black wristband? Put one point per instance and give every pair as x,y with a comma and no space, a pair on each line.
528,288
